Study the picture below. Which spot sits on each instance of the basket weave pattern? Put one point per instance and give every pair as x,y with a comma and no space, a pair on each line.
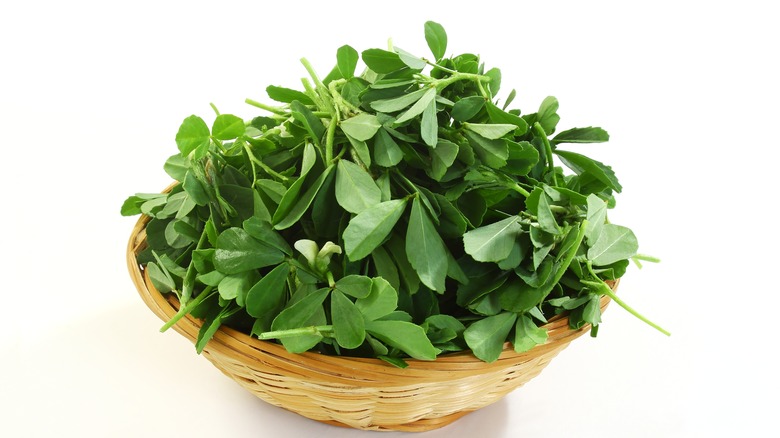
358,392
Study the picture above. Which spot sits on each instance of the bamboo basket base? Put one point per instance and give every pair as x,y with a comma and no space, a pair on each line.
359,393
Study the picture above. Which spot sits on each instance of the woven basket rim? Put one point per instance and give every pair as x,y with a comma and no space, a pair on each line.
240,343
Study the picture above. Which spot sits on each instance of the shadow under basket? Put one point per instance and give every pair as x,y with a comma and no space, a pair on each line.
360,393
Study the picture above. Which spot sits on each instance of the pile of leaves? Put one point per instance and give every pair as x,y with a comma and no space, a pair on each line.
402,212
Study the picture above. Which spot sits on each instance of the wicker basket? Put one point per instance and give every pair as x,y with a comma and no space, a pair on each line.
356,392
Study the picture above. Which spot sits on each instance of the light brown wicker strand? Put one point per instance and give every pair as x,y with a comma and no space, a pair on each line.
359,392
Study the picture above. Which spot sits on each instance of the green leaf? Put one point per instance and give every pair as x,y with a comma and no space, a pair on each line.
176,167
371,227
596,216
592,311
411,61
210,326
385,267
494,242
212,278
236,286
386,150
583,165
492,131
523,156
346,59
312,123
473,207
228,127
355,189
237,251
493,153
547,115
442,158
268,293
272,189
161,280
382,61
419,106
495,80
361,149
436,38
425,249
528,335
361,127
358,286
466,108
394,361
510,98
398,103
298,315
407,337
382,300
517,296
264,232
195,189
486,337
545,216
581,135
286,95
615,243
132,205
348,325
429,126
193,137
302,204
499,116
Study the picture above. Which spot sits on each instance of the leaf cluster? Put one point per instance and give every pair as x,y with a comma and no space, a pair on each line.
404,211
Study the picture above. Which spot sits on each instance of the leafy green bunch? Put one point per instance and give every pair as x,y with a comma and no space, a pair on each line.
402,212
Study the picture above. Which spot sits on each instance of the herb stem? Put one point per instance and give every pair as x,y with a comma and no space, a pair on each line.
516,187
458,76
253,160
272,109
324,330
312,73
442,68
606,290
311,92
547,149
185,309
214,107
331,280
331,134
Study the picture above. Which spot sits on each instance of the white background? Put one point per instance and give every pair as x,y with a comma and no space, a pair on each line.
91,96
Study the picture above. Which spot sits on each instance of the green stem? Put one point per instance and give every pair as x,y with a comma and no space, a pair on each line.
339,101
312,93
647,258
516,187
262,165
214,107
184,310
442,68
606,290
324,330
272,109
458,76
547,149
331,281
331,134
312,73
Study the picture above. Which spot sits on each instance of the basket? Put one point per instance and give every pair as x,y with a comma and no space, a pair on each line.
360,393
